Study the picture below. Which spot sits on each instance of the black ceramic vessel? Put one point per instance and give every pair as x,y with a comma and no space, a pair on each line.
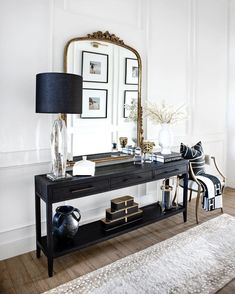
66,222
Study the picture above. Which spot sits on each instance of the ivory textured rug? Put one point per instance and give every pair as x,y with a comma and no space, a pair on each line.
200,260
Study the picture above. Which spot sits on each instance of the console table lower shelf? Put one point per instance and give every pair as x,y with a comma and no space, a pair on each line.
94,232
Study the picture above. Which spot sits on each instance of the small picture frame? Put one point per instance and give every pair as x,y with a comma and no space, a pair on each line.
131,71
130,96
95,67
94,103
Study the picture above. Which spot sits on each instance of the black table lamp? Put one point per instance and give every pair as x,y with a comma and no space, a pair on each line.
58,93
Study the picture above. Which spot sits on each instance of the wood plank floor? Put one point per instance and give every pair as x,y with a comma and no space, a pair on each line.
25,273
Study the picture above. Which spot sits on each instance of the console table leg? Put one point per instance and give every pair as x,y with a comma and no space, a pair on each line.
38,223
50,266
185,216
185,196
49,239
38,252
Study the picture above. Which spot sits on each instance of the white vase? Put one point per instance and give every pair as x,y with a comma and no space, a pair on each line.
165,139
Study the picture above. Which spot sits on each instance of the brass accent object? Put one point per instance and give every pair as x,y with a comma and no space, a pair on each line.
123,141
148,146
113,39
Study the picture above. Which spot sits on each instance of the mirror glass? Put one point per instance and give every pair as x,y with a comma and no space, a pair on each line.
110,96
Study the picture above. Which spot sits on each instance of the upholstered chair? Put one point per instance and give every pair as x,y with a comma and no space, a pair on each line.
195,174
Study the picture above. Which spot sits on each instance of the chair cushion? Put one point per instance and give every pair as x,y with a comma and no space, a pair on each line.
195,155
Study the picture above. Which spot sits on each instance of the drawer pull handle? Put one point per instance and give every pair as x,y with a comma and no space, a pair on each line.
82,189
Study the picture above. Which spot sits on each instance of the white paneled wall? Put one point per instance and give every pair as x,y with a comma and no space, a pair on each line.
209,119
231,98
168,56
185,53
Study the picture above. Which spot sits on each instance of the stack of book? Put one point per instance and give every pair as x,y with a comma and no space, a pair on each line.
123,211
167,157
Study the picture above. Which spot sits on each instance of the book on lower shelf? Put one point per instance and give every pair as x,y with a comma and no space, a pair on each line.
173,156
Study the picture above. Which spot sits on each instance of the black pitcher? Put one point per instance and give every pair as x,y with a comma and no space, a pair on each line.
65,222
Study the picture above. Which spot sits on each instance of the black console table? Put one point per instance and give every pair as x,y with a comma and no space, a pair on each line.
106,178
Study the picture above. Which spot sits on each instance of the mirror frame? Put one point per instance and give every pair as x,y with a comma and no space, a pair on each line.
113,39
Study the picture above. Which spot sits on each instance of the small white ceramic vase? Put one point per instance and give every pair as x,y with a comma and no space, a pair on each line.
165,138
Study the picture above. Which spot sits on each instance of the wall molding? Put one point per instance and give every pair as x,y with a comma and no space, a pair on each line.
25,157
67,6
191,64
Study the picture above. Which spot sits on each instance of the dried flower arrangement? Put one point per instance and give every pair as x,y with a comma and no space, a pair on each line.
164,113
133,110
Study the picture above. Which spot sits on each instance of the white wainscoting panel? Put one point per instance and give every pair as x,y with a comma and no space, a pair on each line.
126,12
211,66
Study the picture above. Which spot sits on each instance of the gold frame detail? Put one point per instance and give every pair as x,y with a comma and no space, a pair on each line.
113,39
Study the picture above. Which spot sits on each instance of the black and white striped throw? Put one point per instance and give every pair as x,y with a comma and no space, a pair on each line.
212,195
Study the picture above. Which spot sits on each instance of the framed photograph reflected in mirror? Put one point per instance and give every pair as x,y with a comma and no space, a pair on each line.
94,103
131,71
95,67
130,102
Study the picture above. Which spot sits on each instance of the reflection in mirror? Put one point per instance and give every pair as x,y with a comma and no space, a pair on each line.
110,96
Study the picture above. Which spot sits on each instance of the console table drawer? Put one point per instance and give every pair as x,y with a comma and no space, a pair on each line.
129,180
83,189
170,171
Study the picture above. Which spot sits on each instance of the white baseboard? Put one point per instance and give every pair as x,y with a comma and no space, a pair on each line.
17,247
17,241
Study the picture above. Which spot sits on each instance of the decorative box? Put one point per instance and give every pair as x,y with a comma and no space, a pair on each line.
113,215
114,224
121,202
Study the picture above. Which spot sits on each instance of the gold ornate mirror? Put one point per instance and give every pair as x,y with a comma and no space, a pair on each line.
111,73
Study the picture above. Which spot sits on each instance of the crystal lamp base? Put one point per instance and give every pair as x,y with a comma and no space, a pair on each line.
58,149
57,178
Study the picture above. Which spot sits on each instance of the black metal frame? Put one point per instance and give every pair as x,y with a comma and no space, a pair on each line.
107,75
106,104
126,78
125,97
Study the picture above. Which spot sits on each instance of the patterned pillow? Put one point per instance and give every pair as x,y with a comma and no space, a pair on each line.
195,155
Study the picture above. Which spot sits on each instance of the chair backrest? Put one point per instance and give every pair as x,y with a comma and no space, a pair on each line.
213,169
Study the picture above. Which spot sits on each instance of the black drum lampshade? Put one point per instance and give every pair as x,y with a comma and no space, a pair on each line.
58,93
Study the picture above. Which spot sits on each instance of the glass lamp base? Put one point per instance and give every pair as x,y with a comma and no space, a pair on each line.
59,148
58,178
